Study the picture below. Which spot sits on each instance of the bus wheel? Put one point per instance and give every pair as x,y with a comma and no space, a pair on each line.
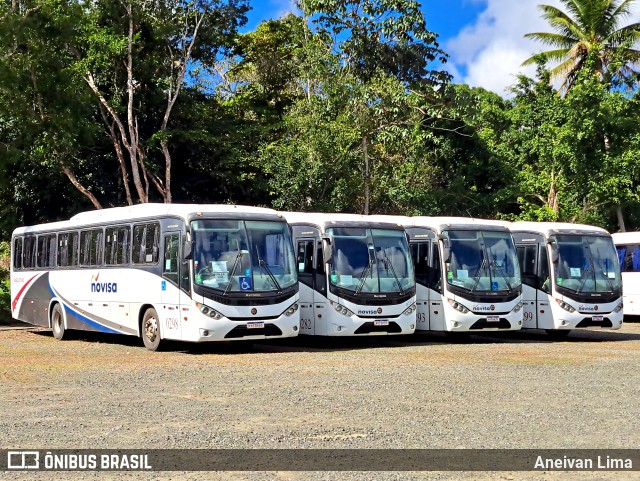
558,333
57,322
151,330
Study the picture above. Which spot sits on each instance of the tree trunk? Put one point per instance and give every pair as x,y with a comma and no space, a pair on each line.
367,194
620,218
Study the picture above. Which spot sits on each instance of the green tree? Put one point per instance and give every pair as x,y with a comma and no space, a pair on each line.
589,28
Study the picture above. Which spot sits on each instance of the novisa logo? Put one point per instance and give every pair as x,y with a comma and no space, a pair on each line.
484,308
102,286
372,312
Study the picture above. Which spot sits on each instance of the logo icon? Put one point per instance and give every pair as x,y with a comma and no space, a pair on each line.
254,311
95,278
595,308
493,308
379,310
23,460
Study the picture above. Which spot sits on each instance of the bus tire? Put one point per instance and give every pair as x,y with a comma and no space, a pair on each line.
558,333
150,329
57,322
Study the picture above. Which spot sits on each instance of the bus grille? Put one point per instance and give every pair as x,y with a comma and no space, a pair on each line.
588,322
369,327
484,324
242,331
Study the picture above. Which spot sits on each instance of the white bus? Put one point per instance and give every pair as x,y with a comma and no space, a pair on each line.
356,275
571,277
159,271
628,247
467,274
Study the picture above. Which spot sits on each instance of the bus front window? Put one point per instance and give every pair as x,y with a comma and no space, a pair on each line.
482,261
371,260
242,256
587,264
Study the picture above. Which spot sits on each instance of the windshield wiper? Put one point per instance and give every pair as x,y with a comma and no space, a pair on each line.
605,274
389,266
502,272
236,263
364,274
586,272
478,274
263,265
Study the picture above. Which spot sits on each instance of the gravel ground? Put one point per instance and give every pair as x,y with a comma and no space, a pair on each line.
517,390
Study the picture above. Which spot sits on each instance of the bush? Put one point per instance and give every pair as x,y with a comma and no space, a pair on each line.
5,286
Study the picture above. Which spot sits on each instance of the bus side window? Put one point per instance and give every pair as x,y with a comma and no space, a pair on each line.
527,257
17,253
420,256
435,269
543,269
171,249
29,252
91,247
146,243
305,262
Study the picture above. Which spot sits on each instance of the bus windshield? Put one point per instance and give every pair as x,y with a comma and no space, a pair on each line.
587,264
242,255
482,261
371,260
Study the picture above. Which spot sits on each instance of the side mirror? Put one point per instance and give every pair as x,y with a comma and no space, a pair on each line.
187,250
327,249
554,252
446,248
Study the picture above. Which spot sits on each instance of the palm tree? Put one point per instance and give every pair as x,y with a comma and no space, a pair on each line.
590,28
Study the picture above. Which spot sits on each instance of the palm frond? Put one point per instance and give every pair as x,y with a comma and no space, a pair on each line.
552,39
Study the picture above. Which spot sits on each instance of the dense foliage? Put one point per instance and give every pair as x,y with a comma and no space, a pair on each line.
345,107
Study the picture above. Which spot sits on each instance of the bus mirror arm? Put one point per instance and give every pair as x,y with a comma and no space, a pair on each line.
327,249
187,250
446,248
554,252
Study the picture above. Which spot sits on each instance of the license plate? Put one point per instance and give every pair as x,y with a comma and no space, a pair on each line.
380,323
255,325
493,318
597,318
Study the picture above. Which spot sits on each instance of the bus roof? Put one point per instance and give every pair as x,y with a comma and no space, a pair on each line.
626,238
326,220
142,211
549,228
442,223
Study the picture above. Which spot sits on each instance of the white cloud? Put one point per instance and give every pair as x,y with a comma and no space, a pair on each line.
492,49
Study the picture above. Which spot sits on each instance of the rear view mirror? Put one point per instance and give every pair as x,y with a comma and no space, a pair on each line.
327,249
187,250
554,252
446,248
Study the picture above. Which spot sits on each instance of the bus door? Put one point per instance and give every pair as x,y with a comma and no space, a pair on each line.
174,287
426,261
534,266
306,278
436,310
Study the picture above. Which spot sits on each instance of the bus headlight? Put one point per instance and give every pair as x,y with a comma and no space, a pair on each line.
410,309
565,306
341,309
207,311
518,306
457,306
289,312
618,308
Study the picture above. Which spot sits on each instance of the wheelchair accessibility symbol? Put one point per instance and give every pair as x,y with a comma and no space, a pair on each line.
246,283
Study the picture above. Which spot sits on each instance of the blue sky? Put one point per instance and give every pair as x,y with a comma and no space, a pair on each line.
484,38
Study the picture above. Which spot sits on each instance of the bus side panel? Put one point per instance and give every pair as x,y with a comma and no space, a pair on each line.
307,317
530,307
34,305
631,290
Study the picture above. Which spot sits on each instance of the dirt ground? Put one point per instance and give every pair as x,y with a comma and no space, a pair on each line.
512,390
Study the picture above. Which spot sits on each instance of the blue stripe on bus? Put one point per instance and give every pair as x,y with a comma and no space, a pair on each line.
90,322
